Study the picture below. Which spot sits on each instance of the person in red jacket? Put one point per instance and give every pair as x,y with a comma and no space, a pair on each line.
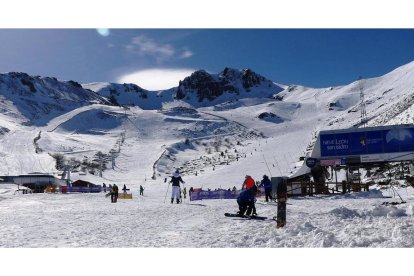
248,182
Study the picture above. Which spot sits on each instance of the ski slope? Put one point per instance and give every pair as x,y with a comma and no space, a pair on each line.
90,220
151,143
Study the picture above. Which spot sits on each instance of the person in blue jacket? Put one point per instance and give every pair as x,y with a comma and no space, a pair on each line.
267,184
246,201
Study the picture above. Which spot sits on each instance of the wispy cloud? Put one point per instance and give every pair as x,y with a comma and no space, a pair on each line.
186,54
145,46
157,78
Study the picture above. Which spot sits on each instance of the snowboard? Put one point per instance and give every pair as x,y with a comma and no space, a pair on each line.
245,216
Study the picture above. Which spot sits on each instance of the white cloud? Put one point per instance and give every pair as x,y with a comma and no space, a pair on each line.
186,54
145,46
156,79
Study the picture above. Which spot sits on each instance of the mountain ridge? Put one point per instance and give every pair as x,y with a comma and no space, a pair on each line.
217,113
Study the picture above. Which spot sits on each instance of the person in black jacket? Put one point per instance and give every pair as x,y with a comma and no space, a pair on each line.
176,191
114,193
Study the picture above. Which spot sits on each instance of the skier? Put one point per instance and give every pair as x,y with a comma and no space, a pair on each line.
267,186
104,187
141,190
175,180
114,193
190,191
248,182
185,193
246,201
124,189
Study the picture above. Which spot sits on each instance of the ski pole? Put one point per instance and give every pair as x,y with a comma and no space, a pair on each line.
167,191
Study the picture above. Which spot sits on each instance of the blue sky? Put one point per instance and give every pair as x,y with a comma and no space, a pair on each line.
158,58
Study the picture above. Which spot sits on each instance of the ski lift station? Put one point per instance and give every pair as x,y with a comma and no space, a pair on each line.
36,182
355,150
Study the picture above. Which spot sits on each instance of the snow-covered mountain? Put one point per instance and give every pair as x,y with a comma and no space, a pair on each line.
199,89
216,128
217,111
210,89
35,100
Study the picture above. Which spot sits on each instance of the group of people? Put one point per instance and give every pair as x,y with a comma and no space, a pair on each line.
247,198
114,191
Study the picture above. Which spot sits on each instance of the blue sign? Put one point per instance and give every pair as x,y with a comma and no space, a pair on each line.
97,189
311,162
219,194
369,141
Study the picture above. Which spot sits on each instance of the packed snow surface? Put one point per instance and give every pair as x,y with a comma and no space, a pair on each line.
91,220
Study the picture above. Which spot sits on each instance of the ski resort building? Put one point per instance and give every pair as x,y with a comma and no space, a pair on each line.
369,150
36,182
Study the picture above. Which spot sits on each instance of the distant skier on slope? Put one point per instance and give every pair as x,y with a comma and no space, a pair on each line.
114,193
125,189
246,201
184,193
176,191
141,190
267,184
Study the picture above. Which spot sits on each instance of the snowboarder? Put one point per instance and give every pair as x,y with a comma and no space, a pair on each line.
248,182
175,180
190,191
141,190
281,204
246,201
267,186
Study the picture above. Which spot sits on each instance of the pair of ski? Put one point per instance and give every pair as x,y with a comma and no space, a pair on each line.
245,216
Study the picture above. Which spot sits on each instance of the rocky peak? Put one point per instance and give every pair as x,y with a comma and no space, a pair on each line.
210,86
